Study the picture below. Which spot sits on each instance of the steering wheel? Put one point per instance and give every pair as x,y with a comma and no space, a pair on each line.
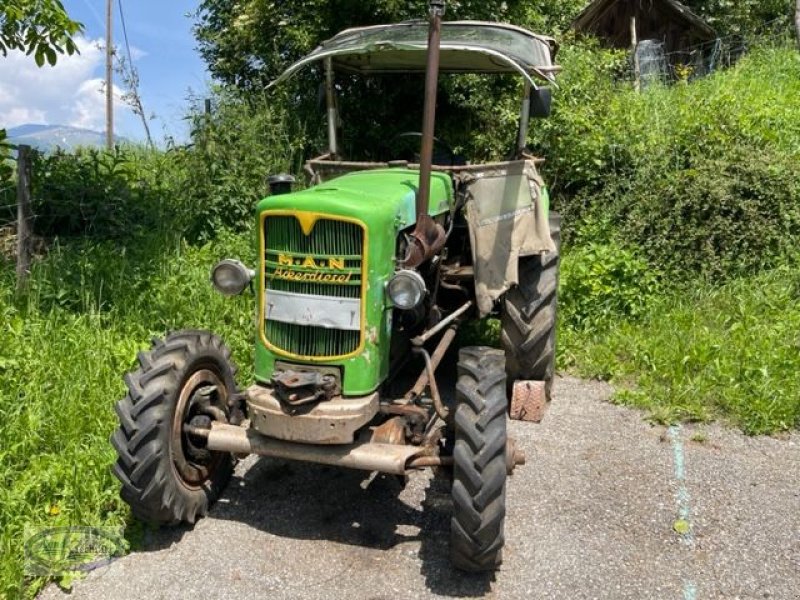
445,151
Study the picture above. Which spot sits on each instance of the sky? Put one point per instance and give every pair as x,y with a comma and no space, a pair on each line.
70,93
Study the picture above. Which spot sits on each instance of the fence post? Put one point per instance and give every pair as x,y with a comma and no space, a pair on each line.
23,216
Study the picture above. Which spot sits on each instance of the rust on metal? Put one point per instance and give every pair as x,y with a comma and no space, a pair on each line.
426,335
440,408
392,431
528,401
386,458
436,358
428,236
405,409
514,456
430,461
333,421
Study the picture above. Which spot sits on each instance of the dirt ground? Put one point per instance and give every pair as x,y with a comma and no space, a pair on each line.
596,513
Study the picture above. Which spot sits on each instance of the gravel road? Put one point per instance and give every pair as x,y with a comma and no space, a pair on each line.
593,514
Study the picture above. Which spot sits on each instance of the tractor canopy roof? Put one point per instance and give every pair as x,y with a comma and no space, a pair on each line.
466,47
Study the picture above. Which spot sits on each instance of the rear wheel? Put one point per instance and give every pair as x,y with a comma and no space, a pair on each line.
479,456
167,474
528,316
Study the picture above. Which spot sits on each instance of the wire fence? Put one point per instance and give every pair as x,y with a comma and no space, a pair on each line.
657,65
89,194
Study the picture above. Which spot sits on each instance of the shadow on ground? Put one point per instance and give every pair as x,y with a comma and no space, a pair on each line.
307,501
316,502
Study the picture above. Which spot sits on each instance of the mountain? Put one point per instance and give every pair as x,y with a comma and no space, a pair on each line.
50,137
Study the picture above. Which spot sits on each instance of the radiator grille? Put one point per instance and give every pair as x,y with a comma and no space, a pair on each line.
327,262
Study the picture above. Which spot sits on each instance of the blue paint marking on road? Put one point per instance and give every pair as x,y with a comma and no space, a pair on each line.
684,512
689,591
680,475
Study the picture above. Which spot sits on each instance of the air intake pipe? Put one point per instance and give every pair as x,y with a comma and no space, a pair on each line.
428,237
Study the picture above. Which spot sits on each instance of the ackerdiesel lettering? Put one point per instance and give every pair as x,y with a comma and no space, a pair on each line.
312,277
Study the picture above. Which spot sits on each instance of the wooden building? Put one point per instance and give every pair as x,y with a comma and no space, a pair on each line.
622,23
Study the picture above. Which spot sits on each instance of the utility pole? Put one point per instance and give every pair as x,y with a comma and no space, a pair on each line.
109,80
797,21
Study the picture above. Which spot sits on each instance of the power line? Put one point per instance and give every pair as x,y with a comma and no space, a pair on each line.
125,32
133,78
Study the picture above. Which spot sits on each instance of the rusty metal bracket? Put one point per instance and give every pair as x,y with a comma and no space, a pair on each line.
298,388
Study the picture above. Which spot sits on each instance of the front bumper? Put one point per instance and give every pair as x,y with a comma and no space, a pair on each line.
332,421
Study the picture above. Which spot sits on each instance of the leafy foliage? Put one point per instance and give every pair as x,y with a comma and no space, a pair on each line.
742,16
101,194
194,191
700,176
248,44
63,351
603,282
38,27
224,172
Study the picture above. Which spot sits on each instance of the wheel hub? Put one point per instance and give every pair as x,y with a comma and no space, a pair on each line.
202,396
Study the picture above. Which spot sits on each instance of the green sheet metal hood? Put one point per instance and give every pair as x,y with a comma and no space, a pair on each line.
379,194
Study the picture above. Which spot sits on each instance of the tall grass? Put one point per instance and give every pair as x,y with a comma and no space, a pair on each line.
705,352
63,352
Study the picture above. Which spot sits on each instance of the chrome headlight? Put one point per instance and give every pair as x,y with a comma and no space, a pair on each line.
406,289
230,277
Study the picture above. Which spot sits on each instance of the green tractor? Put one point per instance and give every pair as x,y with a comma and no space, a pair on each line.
364,276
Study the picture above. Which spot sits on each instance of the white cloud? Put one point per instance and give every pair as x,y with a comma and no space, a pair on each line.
70,93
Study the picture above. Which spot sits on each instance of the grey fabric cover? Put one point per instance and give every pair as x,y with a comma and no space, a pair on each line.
507,219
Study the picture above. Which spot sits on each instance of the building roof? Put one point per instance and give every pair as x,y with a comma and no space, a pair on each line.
592,16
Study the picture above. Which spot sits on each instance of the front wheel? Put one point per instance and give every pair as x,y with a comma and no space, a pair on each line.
479,460
167,474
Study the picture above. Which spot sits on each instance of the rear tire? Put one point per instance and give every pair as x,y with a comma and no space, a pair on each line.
167,475
528,316
479,469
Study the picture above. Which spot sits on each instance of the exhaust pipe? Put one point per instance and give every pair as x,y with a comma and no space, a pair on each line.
428,237
368,456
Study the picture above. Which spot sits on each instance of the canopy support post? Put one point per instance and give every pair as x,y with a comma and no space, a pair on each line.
330,98
524,120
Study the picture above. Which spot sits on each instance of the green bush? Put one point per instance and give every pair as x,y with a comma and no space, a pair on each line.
680,170
725,215
101,193
224,172
602,282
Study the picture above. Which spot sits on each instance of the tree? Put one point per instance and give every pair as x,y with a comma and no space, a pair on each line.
38,27
741,17
797,20
248,43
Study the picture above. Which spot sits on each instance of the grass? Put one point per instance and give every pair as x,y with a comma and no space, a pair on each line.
63,352
729,352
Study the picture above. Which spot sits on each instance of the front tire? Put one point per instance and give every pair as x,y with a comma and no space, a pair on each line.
167,475
479,457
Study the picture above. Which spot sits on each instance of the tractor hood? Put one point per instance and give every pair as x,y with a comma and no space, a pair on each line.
383,203
378,197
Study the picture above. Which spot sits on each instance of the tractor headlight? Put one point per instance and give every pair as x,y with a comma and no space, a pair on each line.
230,277
406,289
